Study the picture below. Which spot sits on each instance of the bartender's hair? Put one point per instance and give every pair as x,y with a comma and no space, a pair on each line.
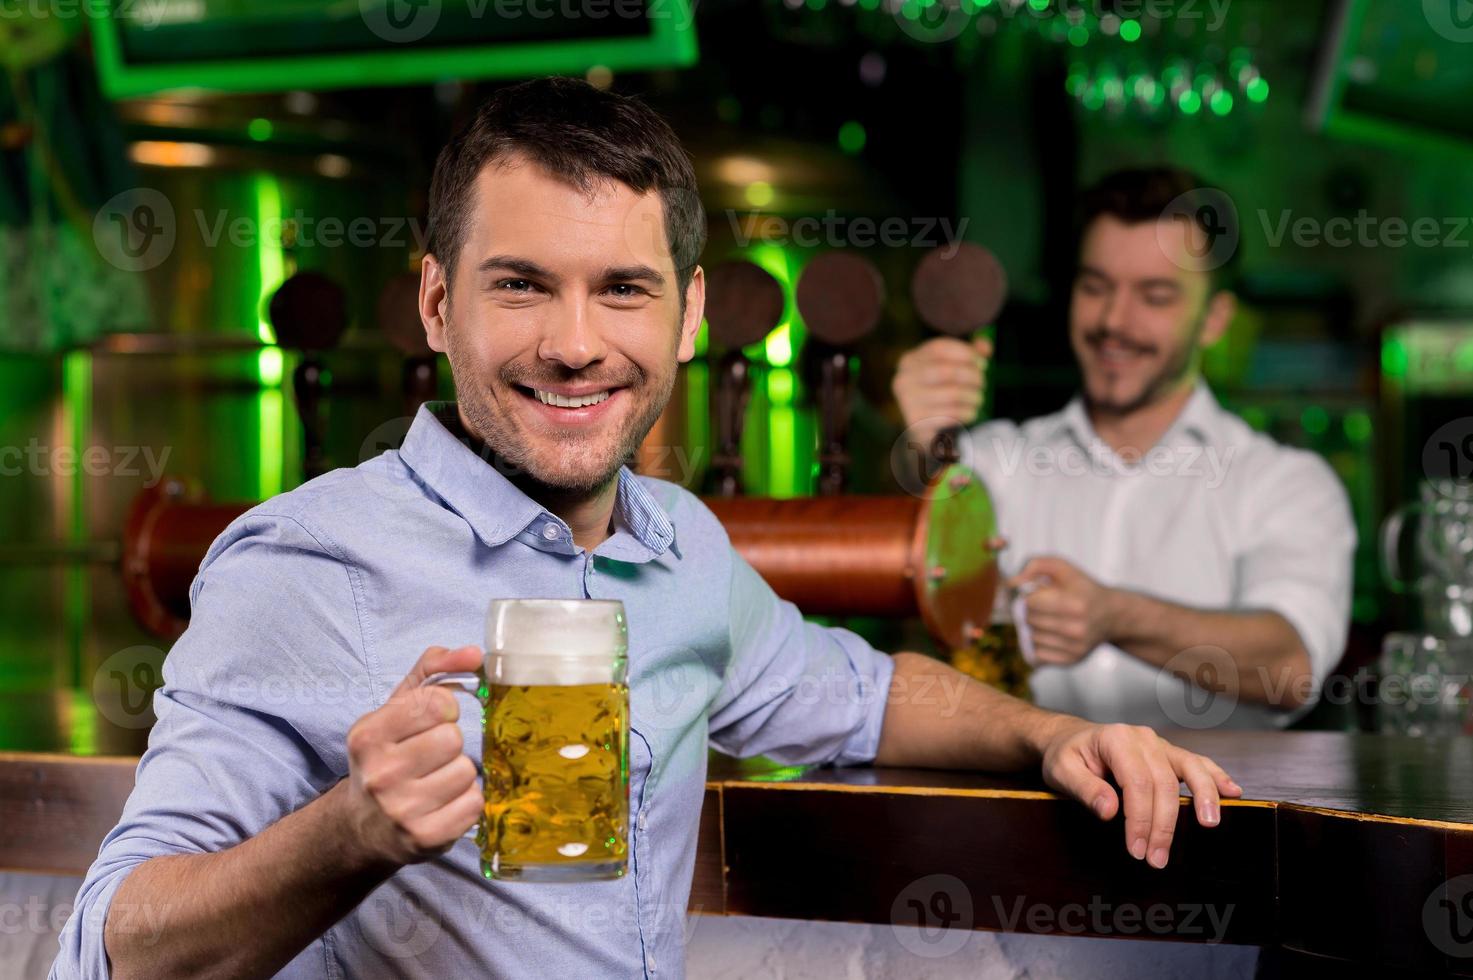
1152,193
580,135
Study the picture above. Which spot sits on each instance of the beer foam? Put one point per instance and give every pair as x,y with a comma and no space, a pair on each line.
557,642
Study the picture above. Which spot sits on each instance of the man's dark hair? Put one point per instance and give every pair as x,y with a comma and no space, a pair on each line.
577,134
1151,193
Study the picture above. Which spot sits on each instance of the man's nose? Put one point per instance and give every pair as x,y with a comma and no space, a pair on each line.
571,338
1113,315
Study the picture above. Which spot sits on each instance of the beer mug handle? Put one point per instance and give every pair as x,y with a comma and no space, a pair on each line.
461,682
1391,530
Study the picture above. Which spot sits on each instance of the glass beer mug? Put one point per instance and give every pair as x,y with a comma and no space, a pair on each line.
555,751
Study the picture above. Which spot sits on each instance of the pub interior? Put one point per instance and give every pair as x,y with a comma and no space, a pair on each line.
214,222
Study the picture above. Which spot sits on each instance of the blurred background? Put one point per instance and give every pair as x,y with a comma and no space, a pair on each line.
166,165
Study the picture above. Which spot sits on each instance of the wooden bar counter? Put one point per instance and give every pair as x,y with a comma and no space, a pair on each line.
1350,855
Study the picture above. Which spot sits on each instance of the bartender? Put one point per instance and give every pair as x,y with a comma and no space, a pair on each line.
302,806
1173,567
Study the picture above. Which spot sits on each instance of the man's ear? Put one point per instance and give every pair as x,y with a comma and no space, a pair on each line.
1220,312
695,309
434,297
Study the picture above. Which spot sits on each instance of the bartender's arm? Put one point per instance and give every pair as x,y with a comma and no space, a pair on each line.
410,795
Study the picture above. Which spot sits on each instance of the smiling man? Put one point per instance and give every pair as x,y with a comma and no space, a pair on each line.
1182,569
303,804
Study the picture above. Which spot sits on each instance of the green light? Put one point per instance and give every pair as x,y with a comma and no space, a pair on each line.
1394,358
851,137
1079,35
269,261
1357,426
1039,5
1222,102
1077,81
270,406
76,372
759,193
1094,98
1463,359
1257,90
780,387
260,130
1189,102
1315,420
817,4
269,366
1130,31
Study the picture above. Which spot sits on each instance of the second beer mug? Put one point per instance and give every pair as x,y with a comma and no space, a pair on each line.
555,752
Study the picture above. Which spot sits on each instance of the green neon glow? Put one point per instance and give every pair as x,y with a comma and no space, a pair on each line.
1394,358
780,387
1357,426
77,397
1257,90
1039,5
1463,358
1079,35
759,193
783,343
1130,31
1189,102
697,413
670,43
780,434
268,254
270,405
82,722
260,130
1222,102
703,340
1315,420
852,137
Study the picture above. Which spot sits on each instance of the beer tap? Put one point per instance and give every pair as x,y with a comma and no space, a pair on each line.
840,296
398,319
743,303
309,313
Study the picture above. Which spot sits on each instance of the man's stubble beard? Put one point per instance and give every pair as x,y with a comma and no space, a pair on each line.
515,459
1181,365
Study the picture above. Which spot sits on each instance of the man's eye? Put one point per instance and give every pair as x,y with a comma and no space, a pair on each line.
1160,298
1090,286
515,285
624,290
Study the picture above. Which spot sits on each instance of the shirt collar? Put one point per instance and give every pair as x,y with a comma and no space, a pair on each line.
1197,421
497,510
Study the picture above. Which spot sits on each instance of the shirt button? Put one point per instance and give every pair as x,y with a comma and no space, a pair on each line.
550,532
650,963
641,819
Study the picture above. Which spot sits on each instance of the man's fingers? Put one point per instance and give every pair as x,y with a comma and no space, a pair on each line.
440,829
1204,789
428,750
1166,807
1128,765
437,788
1074,777
944,373
949,349
438,660
1225,784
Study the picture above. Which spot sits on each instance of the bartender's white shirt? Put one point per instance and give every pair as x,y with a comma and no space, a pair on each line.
1215,516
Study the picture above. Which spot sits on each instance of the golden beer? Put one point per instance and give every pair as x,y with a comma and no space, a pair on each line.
554,743
557,781
996,659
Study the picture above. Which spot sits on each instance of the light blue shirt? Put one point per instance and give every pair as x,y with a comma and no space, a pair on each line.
311,607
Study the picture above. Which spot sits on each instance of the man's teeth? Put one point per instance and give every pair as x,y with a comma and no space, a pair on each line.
564,401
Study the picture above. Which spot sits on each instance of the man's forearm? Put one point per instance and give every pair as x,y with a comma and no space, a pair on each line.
245,911
1262,654
939,718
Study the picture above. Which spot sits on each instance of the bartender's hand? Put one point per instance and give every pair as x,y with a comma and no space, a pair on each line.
1082,758
412,790
940,383
1069,613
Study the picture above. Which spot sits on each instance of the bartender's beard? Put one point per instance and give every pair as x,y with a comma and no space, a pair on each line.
581,465
1181,363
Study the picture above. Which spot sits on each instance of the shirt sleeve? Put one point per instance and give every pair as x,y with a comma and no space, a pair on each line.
251,718
794,691
1299,555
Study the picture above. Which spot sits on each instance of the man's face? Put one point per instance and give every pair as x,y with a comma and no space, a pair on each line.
1141,309
563,322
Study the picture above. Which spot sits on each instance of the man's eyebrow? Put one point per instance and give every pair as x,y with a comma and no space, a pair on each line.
515,264
633,273
1158,283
